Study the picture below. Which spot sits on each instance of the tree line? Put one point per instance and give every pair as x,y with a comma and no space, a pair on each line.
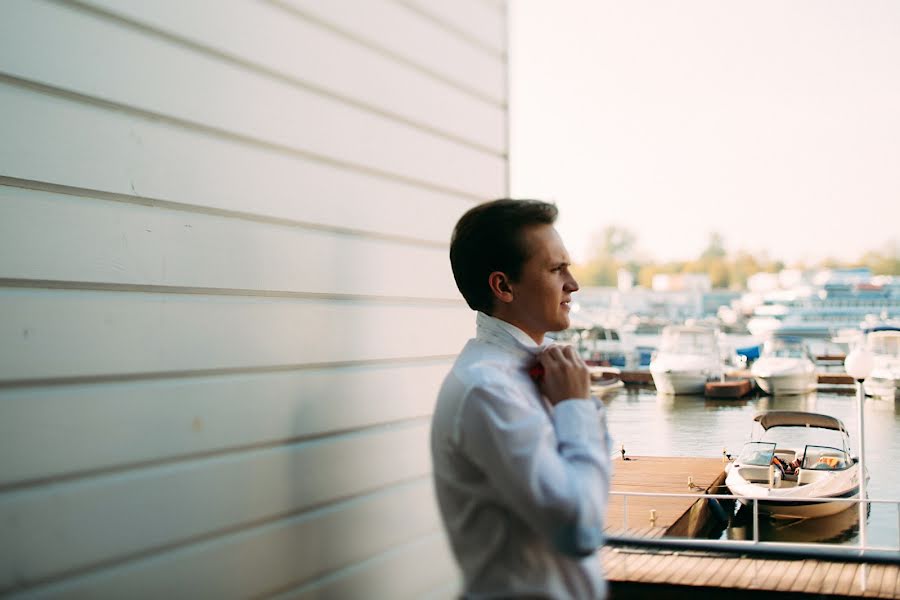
614,248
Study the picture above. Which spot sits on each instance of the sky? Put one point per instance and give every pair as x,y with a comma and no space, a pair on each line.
773,123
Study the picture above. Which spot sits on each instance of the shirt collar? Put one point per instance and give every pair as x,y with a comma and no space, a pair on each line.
507,336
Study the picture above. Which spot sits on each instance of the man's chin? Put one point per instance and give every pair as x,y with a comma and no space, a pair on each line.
562,324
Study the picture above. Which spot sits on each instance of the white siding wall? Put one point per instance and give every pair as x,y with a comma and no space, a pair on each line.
225,300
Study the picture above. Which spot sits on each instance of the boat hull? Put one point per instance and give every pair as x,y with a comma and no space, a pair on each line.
797,501
673,382
882,387
784,375
800,509
787,385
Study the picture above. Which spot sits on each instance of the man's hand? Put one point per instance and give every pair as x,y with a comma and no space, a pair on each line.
565,375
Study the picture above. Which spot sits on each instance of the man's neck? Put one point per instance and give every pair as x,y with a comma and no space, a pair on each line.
507,318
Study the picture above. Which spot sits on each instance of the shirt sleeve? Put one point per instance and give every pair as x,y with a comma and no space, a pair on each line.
553,472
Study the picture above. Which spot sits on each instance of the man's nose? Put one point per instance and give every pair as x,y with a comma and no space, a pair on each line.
572,285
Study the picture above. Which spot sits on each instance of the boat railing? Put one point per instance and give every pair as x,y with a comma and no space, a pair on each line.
858,548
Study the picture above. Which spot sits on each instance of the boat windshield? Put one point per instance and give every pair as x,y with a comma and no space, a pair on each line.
757,453
825,458
688,342
785,349
887,343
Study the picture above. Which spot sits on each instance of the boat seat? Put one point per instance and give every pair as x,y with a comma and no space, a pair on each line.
786,454
760,475
807,476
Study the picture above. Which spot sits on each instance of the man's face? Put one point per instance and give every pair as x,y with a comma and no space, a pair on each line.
543,292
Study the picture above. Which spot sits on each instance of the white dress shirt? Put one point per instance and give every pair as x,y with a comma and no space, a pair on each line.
522,485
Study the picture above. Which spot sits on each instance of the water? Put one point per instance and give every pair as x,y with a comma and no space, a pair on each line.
658,425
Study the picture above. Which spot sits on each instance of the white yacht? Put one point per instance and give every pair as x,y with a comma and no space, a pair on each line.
772,468
884,380
687,358
785,367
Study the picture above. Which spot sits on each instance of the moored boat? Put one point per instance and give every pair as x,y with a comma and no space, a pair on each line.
884,380
788,482
688,357
605,380
785,367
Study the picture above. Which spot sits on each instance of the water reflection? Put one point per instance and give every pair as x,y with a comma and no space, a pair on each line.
840,528
652,424
807,402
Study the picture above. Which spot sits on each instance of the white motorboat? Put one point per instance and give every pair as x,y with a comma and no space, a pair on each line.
884,380
601,345
688,357
785,367
769,469
605,380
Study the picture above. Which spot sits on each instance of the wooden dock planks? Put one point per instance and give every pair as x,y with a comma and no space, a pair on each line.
657,474
808,576
732,388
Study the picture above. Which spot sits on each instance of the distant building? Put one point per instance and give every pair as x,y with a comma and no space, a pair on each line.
763,282
681,282
625,280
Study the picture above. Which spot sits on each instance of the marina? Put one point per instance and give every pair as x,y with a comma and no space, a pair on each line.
652,424
655,497
741,380
678,446
697,504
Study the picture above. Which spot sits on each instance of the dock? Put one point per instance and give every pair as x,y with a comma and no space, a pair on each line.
683,516
641,573
732,388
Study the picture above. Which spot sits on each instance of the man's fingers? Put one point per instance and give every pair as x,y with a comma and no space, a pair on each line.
551,354
566,376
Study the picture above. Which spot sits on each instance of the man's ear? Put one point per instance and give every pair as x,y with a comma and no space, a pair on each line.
499,283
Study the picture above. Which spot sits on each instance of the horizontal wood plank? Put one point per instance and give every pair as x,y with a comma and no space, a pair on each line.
90,147
55,431
259,34
74,333
86,240
473,19
262,560
729,572
402,33
60,527
227,98
411,571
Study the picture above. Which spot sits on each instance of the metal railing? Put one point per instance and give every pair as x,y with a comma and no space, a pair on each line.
858,553
756,541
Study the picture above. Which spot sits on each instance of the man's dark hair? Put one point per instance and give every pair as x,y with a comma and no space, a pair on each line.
489,238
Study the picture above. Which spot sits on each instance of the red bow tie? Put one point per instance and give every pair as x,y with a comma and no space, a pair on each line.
536,372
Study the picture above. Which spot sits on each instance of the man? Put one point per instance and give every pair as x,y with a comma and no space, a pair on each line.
521,458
